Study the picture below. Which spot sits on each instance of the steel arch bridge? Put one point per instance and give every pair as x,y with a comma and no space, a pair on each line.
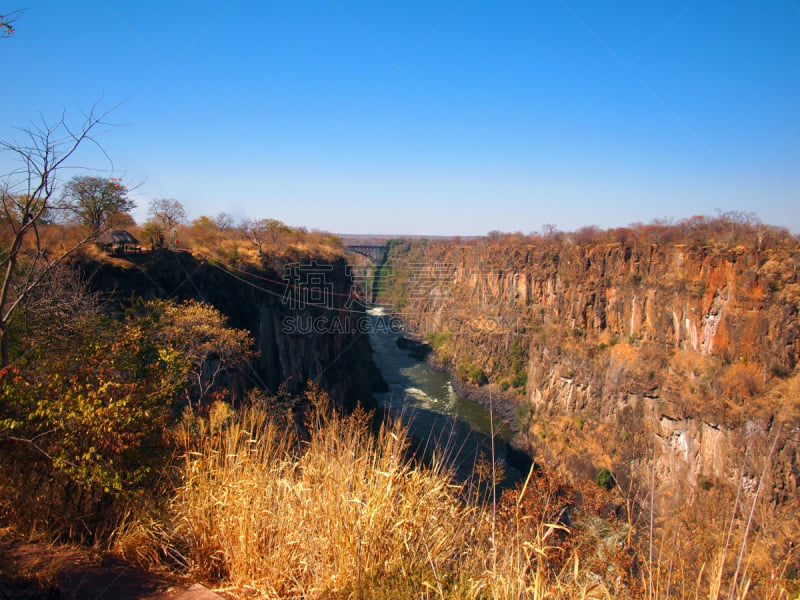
377,254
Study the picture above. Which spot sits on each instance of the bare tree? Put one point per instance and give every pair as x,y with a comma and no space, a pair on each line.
56,310
224,221
6,23
167,213
549,229
26,195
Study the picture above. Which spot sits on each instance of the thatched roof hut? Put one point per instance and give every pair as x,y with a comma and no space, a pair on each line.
119,241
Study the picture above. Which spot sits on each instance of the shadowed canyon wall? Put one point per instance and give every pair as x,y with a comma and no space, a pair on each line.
296,340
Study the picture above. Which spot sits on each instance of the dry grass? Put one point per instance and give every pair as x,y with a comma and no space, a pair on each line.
232,246
343,513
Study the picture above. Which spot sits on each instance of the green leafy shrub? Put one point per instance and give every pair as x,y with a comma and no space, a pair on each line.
518,357
520,380
86,427
604,479
471,374
437,340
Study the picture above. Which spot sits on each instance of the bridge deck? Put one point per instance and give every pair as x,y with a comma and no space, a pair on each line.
377,254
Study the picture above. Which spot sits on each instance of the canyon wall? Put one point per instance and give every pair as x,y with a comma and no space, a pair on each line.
303,332
645,357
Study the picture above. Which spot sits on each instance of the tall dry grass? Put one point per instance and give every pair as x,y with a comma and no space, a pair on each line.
341,512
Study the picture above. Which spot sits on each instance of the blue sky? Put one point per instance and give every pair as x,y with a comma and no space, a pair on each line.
437,117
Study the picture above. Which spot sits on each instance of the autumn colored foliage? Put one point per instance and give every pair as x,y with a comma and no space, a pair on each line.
89,425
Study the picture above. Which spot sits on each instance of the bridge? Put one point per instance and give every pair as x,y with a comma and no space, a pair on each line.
376,254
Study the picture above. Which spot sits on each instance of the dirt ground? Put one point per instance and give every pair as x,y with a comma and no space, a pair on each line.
31,570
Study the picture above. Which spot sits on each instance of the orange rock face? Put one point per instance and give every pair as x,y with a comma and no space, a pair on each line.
687,347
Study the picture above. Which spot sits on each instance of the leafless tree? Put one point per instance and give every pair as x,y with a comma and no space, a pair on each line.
549,229
224,221
168,213
54,312
26,195
6,23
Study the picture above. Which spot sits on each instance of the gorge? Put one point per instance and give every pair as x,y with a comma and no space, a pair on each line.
649,373
657,352
666,355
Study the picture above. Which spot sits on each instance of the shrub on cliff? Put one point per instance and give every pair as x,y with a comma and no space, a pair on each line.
84,428
198,332
520,380
80,429
470,373
518,358
604,479
438,340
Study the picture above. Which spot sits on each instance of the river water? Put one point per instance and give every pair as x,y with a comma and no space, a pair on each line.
436,416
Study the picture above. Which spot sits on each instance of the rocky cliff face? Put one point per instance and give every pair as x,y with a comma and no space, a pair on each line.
626,353
303,332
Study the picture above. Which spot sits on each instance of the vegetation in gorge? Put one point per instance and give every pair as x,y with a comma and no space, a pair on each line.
636,342
471,373
702,310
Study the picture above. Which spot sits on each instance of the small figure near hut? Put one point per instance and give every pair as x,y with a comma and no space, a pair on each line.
162,240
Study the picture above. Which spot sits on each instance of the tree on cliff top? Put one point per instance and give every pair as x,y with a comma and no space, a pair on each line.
95,201
167,213
263,232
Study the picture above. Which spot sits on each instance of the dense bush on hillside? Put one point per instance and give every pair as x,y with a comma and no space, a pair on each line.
85,426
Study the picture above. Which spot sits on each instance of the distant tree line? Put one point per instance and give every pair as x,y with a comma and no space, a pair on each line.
726,229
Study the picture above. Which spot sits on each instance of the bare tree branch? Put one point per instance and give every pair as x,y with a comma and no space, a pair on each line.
27,195
7,28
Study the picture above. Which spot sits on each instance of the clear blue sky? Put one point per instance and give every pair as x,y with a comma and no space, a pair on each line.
428,117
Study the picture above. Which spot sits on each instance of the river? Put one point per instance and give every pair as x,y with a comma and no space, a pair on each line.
434,413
